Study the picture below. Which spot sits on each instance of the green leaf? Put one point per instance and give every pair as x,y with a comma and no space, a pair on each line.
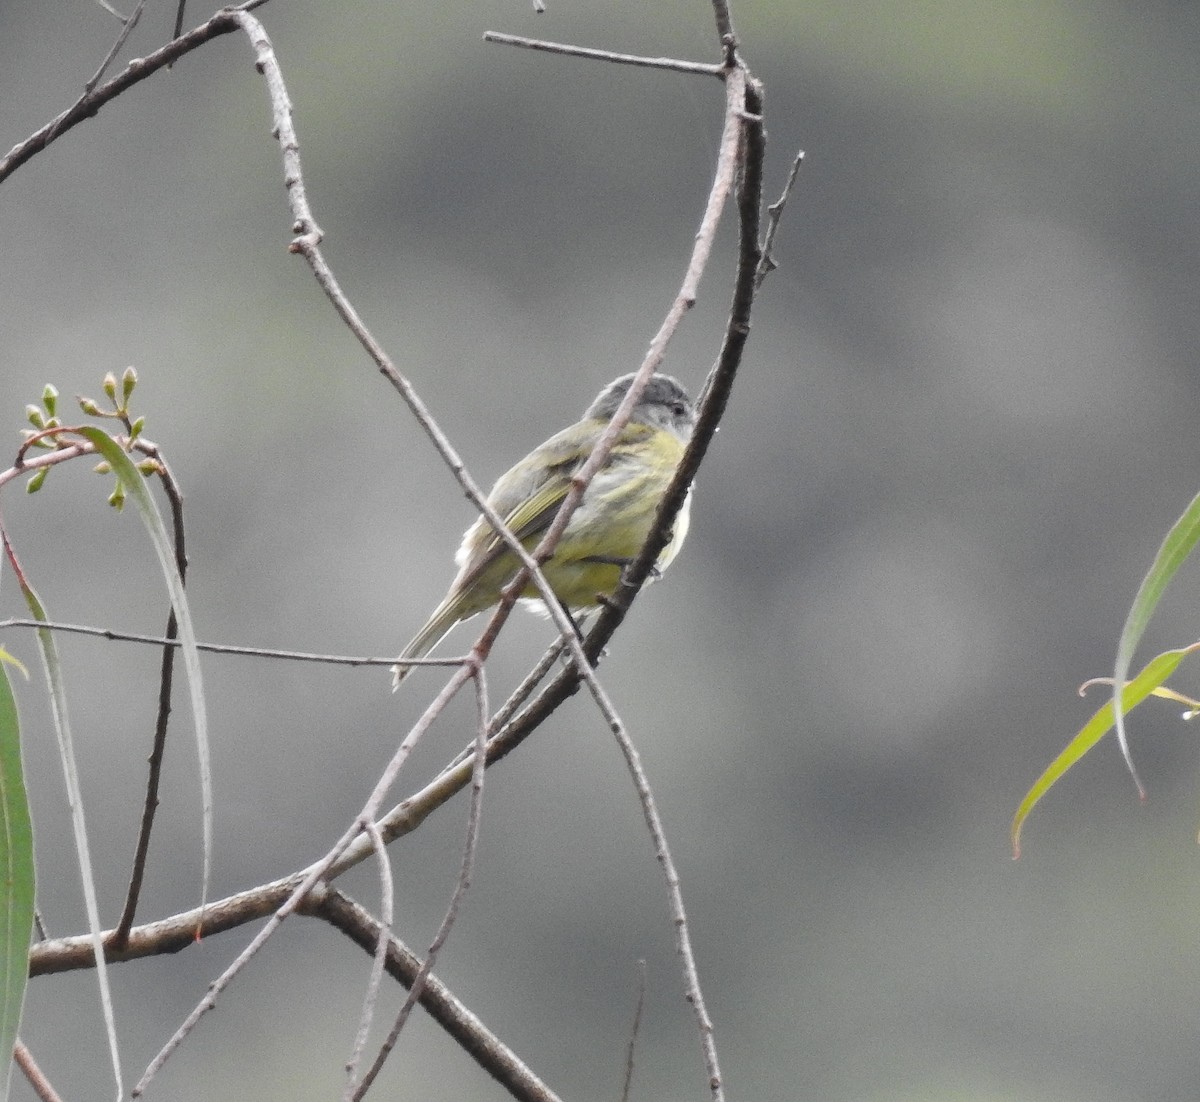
134,485
1156,672
66,747
1179,542
16,878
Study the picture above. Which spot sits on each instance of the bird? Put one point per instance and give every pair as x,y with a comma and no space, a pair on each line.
607,529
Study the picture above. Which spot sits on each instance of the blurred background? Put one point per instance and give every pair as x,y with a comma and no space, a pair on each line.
966,418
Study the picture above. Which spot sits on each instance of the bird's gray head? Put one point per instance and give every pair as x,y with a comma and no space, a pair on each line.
664,404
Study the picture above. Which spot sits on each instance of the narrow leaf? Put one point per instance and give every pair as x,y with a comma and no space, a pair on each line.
1179,542
136,488
1142,686
16,879
66,746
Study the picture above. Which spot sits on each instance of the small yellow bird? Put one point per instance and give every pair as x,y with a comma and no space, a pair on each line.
606,531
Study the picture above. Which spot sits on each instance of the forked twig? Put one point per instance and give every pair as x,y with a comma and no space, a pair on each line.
309,880
460,889
464,1027
88,105
126,31
766,264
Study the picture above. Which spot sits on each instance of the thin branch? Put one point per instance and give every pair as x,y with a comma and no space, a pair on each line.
522,692
46,459
220,648
411,812
137,70
633,1032
460,890
662,852
387,897
165,679
459,1023
674,64
766,263
518,697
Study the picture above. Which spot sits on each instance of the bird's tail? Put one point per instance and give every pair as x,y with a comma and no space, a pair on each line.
436,628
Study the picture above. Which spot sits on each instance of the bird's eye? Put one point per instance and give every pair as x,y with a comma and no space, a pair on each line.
679,409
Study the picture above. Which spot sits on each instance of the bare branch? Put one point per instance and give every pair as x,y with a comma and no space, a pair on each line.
23,1058
460,890
662,852
166,676
219,648
633,1032
459,1023
674,64
224,22
766,263
387,896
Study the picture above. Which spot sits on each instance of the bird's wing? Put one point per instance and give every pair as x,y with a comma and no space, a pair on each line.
527,509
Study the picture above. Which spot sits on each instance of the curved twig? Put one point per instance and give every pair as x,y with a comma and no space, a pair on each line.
89,104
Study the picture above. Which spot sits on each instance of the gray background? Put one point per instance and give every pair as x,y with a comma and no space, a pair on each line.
965,420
